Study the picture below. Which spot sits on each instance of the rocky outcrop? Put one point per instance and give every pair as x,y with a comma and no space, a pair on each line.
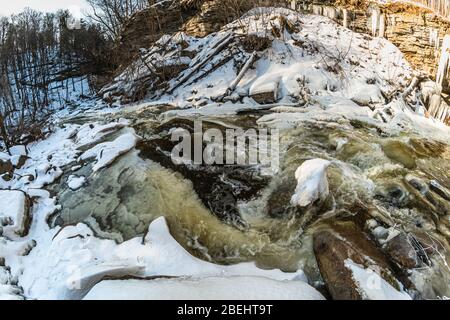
194,17
147,26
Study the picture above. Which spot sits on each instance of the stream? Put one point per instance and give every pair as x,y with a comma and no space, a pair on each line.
228,213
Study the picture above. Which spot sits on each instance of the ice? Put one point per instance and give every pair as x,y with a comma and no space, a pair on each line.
312,182
265,84
18,150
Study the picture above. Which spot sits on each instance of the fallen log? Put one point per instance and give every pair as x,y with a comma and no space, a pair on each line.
216,49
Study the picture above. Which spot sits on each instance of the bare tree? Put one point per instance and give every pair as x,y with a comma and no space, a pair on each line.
111,14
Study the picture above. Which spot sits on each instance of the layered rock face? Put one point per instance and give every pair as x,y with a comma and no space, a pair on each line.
194,17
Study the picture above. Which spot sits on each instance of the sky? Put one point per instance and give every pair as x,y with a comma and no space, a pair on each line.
76,7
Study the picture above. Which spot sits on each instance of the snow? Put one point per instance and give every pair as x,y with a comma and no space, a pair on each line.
4,156
75,182
18,150
264,84
92,133
312,182
210,288
372,286
365,94
74,260
106,152
8,292
12,211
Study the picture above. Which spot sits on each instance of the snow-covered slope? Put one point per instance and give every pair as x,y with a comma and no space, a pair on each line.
300,57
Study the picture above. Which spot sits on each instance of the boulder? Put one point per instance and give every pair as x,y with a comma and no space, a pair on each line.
343,242
401,251
5,166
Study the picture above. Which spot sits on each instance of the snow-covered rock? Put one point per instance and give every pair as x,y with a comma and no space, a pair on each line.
265,89
312,182
105,153
14,212
75,182
366,94
373,287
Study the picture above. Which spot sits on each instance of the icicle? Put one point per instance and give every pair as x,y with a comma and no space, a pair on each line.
375,21
434,38
435,103
294,4
345,22
443,111
443,66
317,9
382,25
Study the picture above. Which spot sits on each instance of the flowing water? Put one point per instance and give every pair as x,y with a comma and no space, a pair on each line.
229,214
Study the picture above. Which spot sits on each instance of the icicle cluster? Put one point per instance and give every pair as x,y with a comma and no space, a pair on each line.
441,7
330,12
316,9
375,20
444,61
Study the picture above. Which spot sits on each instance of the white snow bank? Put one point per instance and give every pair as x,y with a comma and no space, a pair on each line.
211,288
372,286
312,182
13,211
75,260
106,152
